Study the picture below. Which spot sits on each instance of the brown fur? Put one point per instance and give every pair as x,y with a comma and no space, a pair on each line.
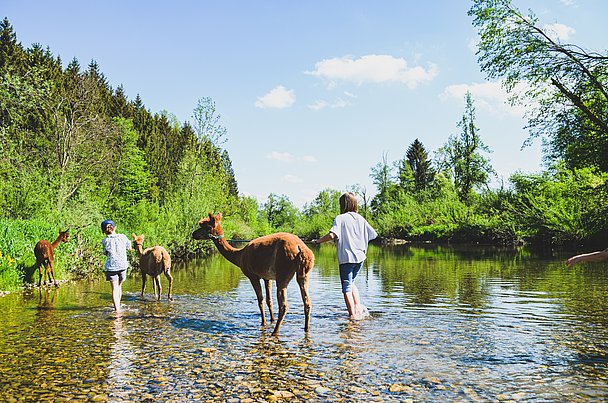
276,257
153,262
45,256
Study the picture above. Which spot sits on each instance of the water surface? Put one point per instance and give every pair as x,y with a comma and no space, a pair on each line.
447,323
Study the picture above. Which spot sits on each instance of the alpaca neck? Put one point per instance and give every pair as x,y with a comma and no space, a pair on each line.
232,254
139,248
56,242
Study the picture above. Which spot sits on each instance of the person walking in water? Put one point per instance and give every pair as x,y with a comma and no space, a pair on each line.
115,248
353,234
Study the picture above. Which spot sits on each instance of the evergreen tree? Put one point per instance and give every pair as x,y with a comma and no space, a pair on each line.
11,52
420,165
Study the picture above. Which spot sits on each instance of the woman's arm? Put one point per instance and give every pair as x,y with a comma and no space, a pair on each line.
326,238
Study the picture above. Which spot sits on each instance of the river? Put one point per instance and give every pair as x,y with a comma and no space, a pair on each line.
447,323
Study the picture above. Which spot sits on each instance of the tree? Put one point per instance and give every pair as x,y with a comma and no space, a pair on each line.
11,51
131,179
280,212
461,155
420,165
326,203
566,82
382,178
207,122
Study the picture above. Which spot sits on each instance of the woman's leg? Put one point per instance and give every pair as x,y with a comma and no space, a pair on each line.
356,300
350,304
348,272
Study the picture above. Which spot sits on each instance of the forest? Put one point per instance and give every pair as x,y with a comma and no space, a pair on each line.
74,151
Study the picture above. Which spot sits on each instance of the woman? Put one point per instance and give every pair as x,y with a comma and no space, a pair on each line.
353,233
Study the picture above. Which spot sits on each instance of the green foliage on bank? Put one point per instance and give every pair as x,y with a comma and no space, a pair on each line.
75,151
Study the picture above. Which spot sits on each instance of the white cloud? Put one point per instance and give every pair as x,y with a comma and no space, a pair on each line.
568,2
322,104
278,156
279,98
374,69
489,96
559,32
309,158
291,179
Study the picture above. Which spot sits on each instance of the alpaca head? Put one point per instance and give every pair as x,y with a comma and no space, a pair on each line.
138,240
64,235
209,227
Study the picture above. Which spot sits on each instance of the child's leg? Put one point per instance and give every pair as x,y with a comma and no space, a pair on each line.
116,293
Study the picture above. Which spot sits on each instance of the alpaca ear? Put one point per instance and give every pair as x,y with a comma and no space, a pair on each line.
218,217
133,235
210,215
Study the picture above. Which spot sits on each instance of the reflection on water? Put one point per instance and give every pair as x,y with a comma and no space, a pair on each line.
446,324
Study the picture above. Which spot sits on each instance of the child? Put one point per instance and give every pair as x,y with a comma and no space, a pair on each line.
115,247
353,233
599,256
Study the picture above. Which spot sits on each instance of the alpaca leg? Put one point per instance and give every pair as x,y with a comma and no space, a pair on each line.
268,284
170,278
143,284
47,272
40,274
52,273
303,283
283,307
255,282
153,284
158,286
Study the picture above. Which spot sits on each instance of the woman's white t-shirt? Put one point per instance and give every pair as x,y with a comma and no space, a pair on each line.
353,233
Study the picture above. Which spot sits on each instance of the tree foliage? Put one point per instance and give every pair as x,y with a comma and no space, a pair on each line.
74,150
567,83
461,155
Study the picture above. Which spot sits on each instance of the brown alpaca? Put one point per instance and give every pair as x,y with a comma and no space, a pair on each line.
272,257
153,262
45,256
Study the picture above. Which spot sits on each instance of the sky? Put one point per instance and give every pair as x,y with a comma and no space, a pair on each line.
313,94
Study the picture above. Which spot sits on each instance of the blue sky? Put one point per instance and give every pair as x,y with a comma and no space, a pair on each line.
312,93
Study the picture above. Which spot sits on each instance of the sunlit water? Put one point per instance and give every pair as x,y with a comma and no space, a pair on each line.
446,324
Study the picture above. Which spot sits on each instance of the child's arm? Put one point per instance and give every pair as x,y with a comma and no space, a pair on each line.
588,257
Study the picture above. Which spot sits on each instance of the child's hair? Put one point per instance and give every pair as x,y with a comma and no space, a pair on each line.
348,203
108,229
107,226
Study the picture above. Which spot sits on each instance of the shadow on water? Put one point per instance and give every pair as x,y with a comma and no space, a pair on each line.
205,326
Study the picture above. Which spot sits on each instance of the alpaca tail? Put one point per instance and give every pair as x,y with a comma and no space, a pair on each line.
305,258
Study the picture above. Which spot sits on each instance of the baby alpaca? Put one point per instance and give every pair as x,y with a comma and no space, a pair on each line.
153,262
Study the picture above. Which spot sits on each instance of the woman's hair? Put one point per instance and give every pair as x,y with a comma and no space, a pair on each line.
348,203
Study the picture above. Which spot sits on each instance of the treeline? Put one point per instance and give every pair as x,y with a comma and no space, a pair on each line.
74,151
446,196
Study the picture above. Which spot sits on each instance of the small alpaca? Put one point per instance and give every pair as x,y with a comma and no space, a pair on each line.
277,257
45,256
153,262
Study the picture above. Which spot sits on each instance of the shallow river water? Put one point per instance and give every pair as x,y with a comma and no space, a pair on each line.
446,324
